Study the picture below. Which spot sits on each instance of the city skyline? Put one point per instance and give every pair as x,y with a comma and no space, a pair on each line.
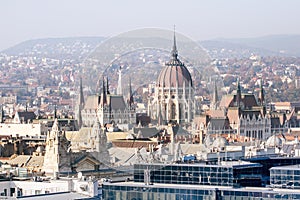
199,20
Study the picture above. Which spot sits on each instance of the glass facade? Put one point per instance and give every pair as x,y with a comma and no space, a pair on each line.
150,192
181,181
285,177
200,174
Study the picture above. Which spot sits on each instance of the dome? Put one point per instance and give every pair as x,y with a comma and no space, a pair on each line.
208,140
174,72
274,141
219,142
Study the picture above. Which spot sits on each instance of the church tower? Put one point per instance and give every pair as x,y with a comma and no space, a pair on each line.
100,141
174,92
103,108
80,105
57,158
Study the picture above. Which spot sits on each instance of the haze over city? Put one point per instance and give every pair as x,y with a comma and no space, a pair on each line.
200,20
105,100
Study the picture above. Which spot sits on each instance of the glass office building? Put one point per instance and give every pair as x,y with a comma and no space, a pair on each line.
225,174
198,181
285,177
141,191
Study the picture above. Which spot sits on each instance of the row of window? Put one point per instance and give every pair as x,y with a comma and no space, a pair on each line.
135,193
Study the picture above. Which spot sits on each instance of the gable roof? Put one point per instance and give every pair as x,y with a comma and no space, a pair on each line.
92,102
84,158
248,100
219,124
117,103
24,116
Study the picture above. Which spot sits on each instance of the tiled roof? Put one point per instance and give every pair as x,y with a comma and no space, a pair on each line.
233,115
20,160
248,100
36,161
92,102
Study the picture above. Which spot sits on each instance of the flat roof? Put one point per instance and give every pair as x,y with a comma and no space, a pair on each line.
59,196
234,164
287,167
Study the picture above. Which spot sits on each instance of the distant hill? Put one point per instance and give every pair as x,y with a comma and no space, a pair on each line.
274,45
67,48
79,47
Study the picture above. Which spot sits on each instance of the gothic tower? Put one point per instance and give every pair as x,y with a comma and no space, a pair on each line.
57,157
99,135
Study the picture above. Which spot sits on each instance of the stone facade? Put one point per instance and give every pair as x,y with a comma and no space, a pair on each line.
57,156
173,99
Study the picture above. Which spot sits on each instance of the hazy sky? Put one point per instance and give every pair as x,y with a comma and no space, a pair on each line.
22,20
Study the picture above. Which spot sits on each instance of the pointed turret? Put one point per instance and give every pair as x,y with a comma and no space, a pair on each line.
99,133
215,97
55,126
103,100
174,61
107,86
261,96
130,95
80,105
119,89
81,98
1,114
55,112
174,51
57,158
238,93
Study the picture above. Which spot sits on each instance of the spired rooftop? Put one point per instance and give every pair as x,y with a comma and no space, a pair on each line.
175,74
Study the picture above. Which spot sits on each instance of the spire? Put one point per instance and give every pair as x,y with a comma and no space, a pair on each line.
119,89
261,96
107,86
55,125
174,61
130,96
215,96
80,104
238,86
1,114
238,93
103,95
55,112
81,99
174,49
